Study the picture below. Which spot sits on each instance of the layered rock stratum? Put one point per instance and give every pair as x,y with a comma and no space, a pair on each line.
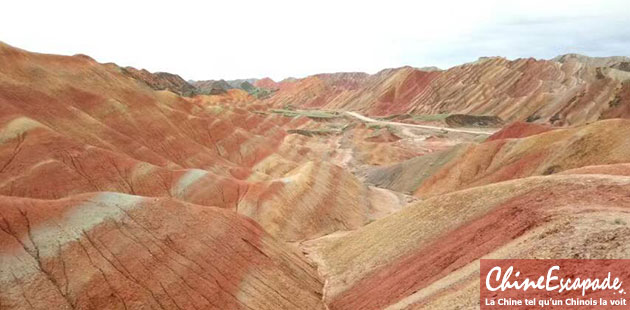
126,189
569,90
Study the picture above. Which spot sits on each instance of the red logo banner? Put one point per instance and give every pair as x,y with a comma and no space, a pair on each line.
554,284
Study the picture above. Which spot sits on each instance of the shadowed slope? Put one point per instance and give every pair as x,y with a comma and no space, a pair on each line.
407,176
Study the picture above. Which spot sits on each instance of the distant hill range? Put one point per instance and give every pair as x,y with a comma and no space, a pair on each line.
568,89
215,87
176,84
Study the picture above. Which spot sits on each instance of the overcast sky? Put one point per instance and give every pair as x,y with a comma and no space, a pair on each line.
253,38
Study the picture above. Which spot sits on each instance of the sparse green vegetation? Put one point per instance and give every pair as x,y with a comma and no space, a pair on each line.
348,126
260,93
314,114
377,130
374,126
313,132
393,129
393,116
430,117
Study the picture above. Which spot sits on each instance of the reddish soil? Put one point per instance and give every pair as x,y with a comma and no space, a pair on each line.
467,243
519,130
114,251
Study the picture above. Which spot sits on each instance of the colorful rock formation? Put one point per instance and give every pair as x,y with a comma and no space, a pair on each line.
124,189
568,90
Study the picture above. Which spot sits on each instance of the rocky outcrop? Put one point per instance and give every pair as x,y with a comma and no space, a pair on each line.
220,87
161,81
212,87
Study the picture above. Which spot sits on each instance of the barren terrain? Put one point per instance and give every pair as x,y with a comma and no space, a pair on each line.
126,189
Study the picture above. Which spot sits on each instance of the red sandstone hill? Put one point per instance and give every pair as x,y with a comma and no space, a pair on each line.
116,251
117,192
519,130
571,90
109,132
517,151
427,255
267,83
71,126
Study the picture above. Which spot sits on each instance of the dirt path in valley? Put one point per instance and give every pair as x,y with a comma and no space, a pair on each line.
371,120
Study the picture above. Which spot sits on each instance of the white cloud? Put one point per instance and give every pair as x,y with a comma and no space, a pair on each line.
237,39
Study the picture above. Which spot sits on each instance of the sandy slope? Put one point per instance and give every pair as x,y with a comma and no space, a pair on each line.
425,256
